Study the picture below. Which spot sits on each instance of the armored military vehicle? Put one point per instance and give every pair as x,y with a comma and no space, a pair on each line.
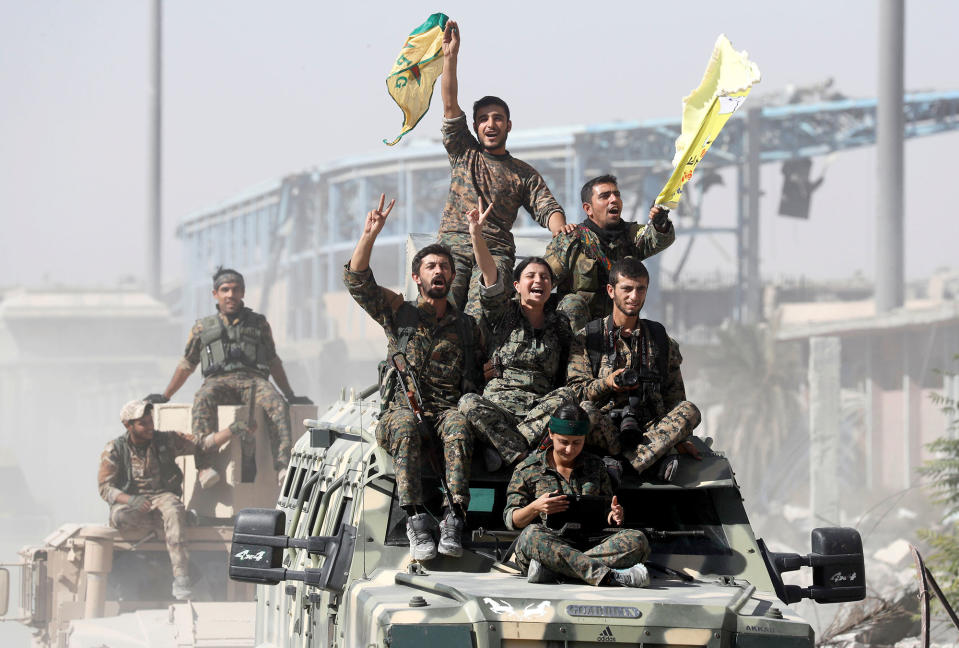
91,586
332,568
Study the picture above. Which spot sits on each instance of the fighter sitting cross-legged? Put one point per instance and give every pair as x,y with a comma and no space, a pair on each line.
441,344
529,343
542,484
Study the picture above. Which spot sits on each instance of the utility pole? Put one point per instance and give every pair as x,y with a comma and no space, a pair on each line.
155,154
749,286
890,242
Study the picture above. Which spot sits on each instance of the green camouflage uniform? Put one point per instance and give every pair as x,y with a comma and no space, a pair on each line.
435,356
148,468
569,556
502,180
529,379
233,388
581,261
667,416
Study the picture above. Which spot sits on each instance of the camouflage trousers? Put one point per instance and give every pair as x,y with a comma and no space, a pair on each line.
234,389
565,556
397,433
512,436
168,519
464,292
658,438
576,308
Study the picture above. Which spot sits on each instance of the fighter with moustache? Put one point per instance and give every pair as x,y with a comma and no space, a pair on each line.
442,346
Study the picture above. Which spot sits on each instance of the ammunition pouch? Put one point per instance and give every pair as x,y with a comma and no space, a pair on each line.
387,382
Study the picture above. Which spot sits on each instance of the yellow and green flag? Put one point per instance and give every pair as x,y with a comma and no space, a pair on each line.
729,77
411,80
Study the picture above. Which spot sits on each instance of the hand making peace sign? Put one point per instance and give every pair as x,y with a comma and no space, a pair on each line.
376,219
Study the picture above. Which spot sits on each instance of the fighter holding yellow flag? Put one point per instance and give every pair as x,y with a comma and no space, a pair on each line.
581,259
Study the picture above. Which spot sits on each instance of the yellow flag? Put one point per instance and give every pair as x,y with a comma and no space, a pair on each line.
729,77
416,69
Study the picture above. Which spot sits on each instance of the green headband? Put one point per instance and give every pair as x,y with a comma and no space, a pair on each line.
568,428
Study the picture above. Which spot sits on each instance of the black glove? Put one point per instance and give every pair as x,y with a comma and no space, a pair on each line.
659,220
137,501
299,400
156,399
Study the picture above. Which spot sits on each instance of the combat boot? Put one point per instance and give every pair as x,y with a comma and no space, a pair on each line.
207,477
635,576
451,533
420,533
182,591
492,460
537,573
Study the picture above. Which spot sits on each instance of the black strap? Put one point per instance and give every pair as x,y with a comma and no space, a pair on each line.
661,346
594,345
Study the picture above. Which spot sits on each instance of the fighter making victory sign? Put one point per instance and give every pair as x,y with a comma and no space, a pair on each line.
441,346
529,345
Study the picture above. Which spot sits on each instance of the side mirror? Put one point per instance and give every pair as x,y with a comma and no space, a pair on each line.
838,568
256,555
4,591
258,559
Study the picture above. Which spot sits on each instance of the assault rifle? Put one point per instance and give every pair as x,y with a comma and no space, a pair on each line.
410,389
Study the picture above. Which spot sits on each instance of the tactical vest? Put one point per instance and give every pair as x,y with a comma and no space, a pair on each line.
230,348
596,346
171,477
407,322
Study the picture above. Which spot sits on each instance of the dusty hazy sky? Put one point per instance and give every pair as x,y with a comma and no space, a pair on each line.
257,90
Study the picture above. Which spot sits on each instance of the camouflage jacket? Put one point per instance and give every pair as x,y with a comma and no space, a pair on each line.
579,268
580,373
144,464
529,363
435,351
502,180
194,347
534,476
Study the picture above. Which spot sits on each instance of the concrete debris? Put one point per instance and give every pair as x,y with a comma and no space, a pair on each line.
893,553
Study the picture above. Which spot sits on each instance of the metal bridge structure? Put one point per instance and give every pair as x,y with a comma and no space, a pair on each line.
291,237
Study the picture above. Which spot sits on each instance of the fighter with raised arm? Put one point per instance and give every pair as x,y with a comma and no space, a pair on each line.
529,345
441,346
482,169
